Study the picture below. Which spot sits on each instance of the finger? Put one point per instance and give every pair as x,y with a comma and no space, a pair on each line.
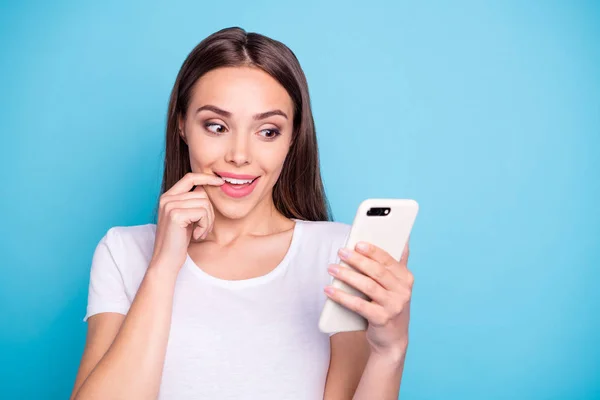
203,222
210,220
196,194
202,227
373,312
361,282
200,233
168,202
369,267
189,203
190,179
210,208
184,217
376,253
405,255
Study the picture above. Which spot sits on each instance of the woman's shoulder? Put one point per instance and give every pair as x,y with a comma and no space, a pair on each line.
118,265
130,235
127,249
130,241
132,232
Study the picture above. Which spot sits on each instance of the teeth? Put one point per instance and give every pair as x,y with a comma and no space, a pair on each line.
237,181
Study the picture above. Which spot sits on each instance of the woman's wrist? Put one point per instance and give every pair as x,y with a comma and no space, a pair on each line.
162,272
394,356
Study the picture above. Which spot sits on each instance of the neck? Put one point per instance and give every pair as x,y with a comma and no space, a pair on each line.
263,220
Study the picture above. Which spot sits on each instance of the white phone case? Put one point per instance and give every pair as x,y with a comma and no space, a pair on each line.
389,232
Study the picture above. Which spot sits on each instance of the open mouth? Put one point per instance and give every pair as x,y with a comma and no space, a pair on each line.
237,181
240,186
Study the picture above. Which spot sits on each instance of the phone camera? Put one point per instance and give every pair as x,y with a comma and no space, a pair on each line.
378,211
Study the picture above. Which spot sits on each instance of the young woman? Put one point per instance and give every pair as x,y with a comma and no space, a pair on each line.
220,299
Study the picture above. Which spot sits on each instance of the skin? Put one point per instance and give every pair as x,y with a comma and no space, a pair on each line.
238,143
123,356
241,145
388,283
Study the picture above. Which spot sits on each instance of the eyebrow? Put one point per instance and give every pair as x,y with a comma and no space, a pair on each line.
256,117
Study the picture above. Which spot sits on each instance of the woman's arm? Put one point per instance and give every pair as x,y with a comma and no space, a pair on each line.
381,378
101,332
349,356
357,373
131,368
388,285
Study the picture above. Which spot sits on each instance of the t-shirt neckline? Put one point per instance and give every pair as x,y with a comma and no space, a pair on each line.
243,283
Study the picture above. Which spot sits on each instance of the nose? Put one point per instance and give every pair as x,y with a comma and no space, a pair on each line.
238,153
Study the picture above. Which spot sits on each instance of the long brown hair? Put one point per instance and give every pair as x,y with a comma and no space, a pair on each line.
299,191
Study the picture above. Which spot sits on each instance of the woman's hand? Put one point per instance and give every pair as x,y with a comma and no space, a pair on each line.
388,283
182,214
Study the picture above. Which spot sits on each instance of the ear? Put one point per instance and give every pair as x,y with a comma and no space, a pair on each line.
180,131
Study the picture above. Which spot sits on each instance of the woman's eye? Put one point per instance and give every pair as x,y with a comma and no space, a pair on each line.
270,133
215,128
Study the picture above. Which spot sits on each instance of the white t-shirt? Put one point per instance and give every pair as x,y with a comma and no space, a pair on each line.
246,339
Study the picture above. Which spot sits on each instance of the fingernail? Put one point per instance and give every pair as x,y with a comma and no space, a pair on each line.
329,290
333,269
362,246
344,253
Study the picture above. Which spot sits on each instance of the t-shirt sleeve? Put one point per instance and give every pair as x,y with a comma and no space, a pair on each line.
106,288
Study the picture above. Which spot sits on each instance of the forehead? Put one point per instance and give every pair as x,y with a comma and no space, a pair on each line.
241,90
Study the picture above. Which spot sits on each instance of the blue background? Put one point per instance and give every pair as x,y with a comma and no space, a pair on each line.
487,113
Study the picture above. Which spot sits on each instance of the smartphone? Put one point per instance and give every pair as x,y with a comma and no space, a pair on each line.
385,223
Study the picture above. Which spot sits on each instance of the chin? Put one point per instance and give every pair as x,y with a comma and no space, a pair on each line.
232,208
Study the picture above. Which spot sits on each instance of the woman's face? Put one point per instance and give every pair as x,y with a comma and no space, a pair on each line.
239,126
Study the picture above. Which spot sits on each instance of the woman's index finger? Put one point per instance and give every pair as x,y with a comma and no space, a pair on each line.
192,179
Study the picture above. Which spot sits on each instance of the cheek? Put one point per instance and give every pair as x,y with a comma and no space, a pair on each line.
202,153
273,158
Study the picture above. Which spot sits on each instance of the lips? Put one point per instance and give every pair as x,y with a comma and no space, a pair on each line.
235,176
236,185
